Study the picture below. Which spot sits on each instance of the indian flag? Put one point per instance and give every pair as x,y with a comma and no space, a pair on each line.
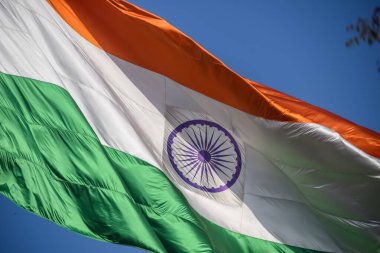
116,125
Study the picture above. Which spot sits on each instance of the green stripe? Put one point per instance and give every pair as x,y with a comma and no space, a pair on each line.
53,164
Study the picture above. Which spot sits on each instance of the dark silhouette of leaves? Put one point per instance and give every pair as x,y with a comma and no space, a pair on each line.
367,31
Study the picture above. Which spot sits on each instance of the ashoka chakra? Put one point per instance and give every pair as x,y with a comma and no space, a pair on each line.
204,155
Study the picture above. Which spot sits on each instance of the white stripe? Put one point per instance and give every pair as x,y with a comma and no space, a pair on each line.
288,166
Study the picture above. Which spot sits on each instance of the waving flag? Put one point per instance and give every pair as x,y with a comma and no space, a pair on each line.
116,125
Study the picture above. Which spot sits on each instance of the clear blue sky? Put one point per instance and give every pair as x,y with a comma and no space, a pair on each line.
296,47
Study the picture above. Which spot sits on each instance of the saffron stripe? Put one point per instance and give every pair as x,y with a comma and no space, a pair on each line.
146,40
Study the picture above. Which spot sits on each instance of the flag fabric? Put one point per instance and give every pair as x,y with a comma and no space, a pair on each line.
116,125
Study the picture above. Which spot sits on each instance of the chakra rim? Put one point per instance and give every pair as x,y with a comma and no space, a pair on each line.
205,155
